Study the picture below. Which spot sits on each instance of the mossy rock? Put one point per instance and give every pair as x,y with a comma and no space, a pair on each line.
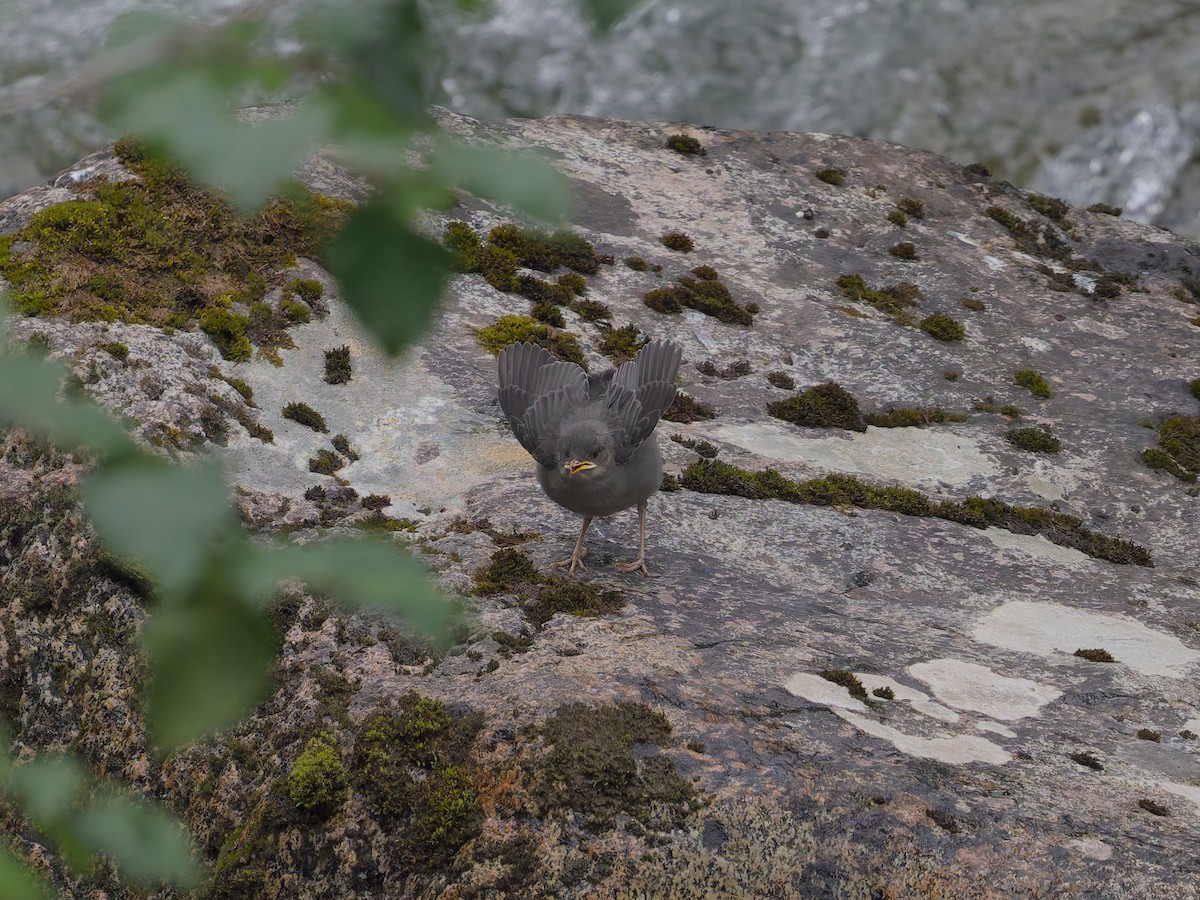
159,250
622,344
414,765
591,767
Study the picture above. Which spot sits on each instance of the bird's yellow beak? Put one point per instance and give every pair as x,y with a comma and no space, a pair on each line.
574,467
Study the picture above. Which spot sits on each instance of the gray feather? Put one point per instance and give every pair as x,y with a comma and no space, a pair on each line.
650,380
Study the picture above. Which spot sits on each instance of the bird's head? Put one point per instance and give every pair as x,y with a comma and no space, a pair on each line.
585,449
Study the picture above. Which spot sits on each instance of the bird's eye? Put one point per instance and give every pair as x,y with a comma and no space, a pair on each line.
595,453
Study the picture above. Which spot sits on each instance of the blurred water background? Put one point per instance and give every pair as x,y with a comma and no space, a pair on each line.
1090,100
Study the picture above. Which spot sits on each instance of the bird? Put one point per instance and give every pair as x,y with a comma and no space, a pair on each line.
592,436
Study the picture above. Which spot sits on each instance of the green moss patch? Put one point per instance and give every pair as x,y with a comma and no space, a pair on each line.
1095,654
317,780
591,310
513,329
1035,440
1178,450
974,305
338,369
1033,382
539,290
305,415
228,331
707,295
414,765
906,250
831,175
1105,209
942,327
826,405
677,241
884,693
912,417
897,218
911,207
781,380
1038,241
161,251
622,344
545,251
636,263
717,477
686,409
894,300
685,144
512,572
598,763
739,369
704,449
848,680
1051,207
573,282
325,463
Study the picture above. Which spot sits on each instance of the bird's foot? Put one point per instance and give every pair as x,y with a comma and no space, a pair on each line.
638,565
572,562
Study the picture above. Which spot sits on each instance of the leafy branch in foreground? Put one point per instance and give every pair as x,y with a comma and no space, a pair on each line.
207,641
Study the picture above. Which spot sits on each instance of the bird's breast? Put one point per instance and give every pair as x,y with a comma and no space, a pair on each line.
610,491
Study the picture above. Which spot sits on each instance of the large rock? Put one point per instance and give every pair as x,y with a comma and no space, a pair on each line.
1004,764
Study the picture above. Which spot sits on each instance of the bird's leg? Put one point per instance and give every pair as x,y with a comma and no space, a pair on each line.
639,564
578,554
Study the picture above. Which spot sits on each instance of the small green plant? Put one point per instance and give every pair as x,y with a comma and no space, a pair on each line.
905,250
827,405
636,263
973,304
294,311
338,369
781,380
228,331
318,777
686,409
1035,440
513,329
1095,654
325,462
897,218
303,414
1149,734
1105,209
942,327
1051,207
678,241
848,680
308,289
911,207
622,344
884,693
1033,382
116,350
831,175
685,144
1088,760
1194,387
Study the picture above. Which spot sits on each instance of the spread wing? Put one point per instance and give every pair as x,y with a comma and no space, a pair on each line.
536,392
640,392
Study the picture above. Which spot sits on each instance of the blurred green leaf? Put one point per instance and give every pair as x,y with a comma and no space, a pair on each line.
187,115
607,13
29,389
210,658
164,518
363,574
18,882
390,276
519,180
147,843
48,788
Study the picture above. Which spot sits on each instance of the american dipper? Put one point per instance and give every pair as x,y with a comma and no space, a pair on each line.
592,435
